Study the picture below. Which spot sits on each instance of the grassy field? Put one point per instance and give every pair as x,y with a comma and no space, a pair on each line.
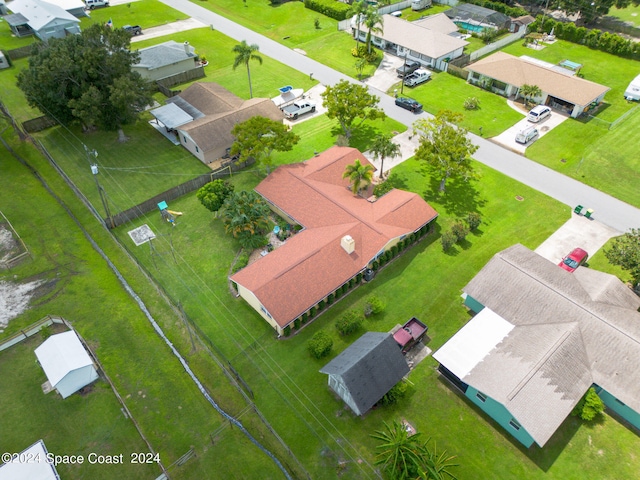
77,425
172,412
630,14
146,13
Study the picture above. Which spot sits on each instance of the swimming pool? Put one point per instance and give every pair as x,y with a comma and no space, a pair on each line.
471,28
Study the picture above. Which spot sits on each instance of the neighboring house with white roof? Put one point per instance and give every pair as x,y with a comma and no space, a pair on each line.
66,363
561,88
38,467
74,7
42,19
540,338
165,59
433,41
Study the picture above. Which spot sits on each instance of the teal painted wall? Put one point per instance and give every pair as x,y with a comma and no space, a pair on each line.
473,304
500,414
621,409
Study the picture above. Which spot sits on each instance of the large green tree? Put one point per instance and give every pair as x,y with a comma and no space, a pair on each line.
259,137
445,147
213,194
359,175
348,102
244,54
384,147
86,79
625,252
246,216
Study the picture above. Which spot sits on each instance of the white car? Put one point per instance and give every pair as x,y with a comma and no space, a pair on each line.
539,113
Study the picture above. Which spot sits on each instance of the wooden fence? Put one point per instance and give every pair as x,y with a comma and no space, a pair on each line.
21,52
10,262
182,77
173,193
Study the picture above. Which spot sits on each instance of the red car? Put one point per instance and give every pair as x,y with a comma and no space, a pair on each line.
572,261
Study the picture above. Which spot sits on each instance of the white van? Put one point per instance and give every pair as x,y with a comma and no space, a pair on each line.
539,113
526,135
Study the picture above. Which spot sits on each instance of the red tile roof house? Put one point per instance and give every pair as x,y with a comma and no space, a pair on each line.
315,262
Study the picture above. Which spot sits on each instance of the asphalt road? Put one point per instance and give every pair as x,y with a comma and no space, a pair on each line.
608,210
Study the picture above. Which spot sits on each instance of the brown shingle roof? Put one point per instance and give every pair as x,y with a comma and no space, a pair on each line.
312,263
516,71
222,111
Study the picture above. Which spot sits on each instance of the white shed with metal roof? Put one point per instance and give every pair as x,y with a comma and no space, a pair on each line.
66,363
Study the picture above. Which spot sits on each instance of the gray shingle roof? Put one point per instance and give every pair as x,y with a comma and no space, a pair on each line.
571,330
369,368
163,54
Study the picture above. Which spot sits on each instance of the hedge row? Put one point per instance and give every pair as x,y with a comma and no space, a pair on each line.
592,38
330,8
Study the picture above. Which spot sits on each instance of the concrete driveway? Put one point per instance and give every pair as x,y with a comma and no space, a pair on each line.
385,75
578,231
168,29
314,95
508,137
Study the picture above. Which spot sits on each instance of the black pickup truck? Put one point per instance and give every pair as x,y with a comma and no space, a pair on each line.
133,29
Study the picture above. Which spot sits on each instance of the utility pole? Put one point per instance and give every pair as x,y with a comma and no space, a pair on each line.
94,171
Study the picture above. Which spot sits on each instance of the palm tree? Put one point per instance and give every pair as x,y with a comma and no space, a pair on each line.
437,465
246,216
360,175
246,53
529,92
358,9
383,148
373,22
400,454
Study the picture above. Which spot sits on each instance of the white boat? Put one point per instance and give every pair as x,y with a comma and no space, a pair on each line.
633,90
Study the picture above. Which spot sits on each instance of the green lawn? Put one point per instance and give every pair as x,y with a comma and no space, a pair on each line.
605,159
146,13
77,425
630,14
294,395
446,92
171,411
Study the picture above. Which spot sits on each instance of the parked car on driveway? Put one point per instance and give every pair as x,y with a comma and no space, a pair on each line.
133,29
409,104
539,113
299,108
91,4
408,67
416,78
572,261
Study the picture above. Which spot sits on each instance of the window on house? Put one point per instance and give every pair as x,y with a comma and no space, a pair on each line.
481,396
197,149
499,85
514,424
184,138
